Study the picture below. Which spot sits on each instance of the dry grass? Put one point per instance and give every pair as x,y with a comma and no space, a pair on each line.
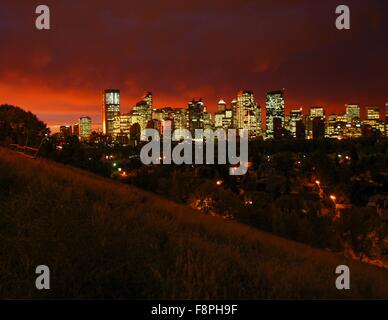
102,239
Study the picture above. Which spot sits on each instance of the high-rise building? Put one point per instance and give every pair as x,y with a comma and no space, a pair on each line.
248,114
341,127
111,109
85,128
275,106
66,131
318,128
373,120
76,129
372,113
219,119
196,109
278,131
142,112
315,113
295,116
181,120
223,118
122,127
207,119
353,112
221,105
233,105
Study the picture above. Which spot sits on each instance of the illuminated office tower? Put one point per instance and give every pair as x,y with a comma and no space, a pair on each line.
315,112
353,112
275,106
372,113
233,105
224,119
220,115
142,113
207,119
111,109
181,120
121,128
331,127
221,105
141,117
295,116
219,119
85,128
339,127
373,120
245,102
227,121
248,114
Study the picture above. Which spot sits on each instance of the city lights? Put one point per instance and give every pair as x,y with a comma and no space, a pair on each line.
219,183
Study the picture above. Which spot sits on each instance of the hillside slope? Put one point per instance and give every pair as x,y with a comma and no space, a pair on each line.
103,239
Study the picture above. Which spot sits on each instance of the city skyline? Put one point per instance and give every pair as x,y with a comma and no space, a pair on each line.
243,112
259,45
287,113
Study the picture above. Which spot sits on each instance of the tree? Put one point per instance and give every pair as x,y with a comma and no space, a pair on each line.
21,127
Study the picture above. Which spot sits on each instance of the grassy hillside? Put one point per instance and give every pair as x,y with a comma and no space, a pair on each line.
102,239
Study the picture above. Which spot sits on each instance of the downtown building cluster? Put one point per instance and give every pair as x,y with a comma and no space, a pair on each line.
243,112
82,129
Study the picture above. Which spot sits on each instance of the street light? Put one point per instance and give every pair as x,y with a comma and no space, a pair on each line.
333,197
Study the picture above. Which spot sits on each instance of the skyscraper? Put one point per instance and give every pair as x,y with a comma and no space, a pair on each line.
122,127
372,113
275,106
223,118
85,128
221,105
315,113
295,116
353,112
233,105
318,128
111,109
248,113
66,131
196,111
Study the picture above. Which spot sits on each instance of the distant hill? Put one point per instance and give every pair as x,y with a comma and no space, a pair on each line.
102,239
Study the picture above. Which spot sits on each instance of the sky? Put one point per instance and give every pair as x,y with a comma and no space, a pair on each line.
181,50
